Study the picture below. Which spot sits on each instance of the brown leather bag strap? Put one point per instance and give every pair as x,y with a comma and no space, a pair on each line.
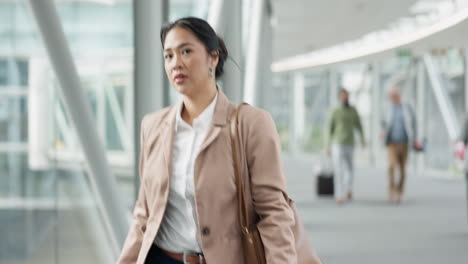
236,159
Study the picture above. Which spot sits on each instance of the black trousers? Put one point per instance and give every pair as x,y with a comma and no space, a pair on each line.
155,256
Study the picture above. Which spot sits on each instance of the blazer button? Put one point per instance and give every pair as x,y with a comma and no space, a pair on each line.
206,231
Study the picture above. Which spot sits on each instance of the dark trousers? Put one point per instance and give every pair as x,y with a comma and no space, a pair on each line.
155,256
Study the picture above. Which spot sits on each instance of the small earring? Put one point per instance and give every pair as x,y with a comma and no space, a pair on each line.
211,70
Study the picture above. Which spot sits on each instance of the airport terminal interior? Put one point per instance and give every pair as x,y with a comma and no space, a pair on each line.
77,77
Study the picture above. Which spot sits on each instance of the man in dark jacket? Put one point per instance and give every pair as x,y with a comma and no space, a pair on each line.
400,135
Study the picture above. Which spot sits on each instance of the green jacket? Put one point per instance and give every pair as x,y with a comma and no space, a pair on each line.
343,121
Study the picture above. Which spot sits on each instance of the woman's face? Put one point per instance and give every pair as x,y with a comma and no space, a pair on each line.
187,63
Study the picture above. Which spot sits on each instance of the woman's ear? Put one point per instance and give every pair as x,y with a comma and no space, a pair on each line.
214,58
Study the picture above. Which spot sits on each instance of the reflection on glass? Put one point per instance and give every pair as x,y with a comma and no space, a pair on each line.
13,119
50,213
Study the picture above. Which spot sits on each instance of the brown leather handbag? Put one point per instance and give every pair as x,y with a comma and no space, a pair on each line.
254,252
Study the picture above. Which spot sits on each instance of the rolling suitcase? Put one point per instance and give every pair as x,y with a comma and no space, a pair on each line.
325,184
324,178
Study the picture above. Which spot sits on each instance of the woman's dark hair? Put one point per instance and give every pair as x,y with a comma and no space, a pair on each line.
205,33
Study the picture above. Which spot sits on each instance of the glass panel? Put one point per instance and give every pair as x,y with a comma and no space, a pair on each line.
88,240
278,103
183,8
52,214
316,113
27,211
439,155
13,73
113,138
100,35
13,119
450,64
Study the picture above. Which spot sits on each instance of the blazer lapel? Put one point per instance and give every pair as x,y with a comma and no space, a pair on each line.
220,119
210,137
167,140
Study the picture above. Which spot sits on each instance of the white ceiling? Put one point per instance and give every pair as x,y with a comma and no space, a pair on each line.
315,24
344,25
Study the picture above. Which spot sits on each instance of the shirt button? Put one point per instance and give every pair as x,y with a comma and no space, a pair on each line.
206,231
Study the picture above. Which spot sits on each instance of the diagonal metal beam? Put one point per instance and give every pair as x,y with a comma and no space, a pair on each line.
77,105
443,99
117,113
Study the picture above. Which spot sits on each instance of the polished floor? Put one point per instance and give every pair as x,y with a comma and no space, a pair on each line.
429,227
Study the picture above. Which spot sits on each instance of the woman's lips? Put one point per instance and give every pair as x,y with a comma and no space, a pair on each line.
180,78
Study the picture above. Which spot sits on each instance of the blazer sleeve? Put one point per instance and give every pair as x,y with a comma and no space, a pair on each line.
137,230
268,186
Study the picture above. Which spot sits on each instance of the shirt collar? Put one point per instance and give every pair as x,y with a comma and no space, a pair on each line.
202,121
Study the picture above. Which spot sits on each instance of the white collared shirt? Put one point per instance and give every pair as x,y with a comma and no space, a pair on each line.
178,230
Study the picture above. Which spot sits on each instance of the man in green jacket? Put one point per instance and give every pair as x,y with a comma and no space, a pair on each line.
343,122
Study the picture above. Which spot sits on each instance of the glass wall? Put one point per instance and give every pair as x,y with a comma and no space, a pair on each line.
49,208
449,64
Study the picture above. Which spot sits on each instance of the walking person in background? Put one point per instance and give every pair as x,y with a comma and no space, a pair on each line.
399,133
343,122
463,141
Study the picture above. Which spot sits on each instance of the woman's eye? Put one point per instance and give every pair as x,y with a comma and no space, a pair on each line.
167,56
187,51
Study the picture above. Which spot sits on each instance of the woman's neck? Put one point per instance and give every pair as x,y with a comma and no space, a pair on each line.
195,105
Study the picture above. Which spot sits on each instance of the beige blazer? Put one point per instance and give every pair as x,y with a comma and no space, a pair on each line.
215,189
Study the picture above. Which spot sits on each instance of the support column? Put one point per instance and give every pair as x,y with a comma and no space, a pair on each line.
79,108
38,116
466,78
233,76
298,113
252,67
217,15
264,83
228,25
421,107
376,113
151,87
333,84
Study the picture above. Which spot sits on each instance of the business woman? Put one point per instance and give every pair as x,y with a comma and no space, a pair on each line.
187,208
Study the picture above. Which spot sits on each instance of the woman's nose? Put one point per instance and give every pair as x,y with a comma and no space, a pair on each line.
176,62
